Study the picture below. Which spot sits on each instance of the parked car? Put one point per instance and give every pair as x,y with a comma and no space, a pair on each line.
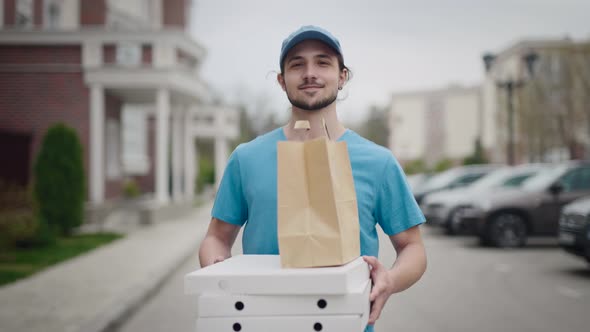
574,228
453,178
505,218
440,207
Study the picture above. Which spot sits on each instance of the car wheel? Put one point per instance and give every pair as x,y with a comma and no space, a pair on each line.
454,225
506,230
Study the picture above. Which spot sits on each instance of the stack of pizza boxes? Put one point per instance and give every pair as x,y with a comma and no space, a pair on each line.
253,293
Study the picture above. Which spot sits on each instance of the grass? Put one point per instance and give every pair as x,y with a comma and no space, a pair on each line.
18,263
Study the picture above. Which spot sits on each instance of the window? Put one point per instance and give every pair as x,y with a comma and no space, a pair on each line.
24,13
128,54
52,13
113,149
135,140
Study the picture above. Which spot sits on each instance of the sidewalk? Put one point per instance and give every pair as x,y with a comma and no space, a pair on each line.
95,291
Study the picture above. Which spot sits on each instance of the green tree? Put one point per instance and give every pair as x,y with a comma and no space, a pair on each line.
415,166
375,126
59,188
443,165
478,156
206,173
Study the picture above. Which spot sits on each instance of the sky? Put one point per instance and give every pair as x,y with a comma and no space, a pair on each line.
391,46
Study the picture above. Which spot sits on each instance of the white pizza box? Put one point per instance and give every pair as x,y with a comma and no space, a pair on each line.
263,275
334,323
221,305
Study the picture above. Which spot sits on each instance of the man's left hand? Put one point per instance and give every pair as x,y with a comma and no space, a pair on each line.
382,287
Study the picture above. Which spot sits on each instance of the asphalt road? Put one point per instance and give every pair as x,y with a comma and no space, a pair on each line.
466,288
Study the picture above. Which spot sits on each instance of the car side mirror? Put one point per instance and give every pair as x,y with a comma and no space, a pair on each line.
556,188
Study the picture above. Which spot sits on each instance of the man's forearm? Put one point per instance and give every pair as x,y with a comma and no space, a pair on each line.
408,267
213,250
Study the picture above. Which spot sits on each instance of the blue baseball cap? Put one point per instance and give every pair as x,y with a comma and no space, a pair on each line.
305,33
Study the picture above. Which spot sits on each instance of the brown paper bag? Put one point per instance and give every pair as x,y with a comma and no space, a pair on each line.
318,223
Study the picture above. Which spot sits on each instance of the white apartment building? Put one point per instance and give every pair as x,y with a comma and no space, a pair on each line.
437,124
550,105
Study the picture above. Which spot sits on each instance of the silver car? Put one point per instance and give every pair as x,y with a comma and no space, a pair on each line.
440,207
507,217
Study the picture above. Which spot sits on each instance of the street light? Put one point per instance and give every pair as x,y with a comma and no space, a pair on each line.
510,84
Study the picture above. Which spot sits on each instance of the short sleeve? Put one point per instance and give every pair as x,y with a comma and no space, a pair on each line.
396,209
230,204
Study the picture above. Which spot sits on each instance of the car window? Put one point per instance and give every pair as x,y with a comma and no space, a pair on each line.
516,181
440,180
492,179
467,179
543,179
578,179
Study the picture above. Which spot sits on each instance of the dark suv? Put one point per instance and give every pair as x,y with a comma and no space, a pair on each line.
505,218
574,228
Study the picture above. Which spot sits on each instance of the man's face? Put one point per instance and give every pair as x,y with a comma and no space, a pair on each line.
311,75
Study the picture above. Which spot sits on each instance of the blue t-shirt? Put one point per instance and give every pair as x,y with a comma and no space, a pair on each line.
248,193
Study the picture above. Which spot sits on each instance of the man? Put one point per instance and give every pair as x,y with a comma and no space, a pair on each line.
312,73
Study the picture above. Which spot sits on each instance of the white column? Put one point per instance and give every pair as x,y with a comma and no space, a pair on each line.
177,142
162,123
97,144
190,170
221,149
221,155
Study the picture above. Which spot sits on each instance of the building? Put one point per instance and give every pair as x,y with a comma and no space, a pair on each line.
548,101
125,75
437,124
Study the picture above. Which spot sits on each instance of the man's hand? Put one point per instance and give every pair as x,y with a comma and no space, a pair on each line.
382,287
216,246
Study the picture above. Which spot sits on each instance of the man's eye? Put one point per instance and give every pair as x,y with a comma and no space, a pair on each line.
324,63
295,65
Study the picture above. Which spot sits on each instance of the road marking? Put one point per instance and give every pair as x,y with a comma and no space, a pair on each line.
569,292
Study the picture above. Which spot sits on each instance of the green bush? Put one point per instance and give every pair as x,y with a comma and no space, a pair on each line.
442,165
16,226
415,166
20,228
14,197
206,173
131,189
59,180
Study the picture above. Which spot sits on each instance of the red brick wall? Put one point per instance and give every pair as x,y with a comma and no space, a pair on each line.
174,12
40,55
146,54
30,102
9,12
108,53
93,12
38,12
34,98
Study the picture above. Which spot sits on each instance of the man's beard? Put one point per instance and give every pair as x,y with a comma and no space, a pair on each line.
315,106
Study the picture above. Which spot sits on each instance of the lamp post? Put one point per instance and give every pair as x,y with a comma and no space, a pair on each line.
510,85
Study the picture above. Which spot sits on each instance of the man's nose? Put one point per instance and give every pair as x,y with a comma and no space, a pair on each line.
310,72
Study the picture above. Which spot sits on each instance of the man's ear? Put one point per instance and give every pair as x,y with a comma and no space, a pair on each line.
281,81
343,77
